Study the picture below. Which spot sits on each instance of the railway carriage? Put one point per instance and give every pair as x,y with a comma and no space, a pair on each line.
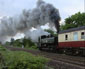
72,40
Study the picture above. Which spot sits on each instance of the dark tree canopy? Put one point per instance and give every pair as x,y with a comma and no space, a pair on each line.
74,21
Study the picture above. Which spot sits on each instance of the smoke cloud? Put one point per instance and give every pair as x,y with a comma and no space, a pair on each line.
35,34
43,13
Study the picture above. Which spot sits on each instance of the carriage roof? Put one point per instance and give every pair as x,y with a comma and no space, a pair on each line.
72,29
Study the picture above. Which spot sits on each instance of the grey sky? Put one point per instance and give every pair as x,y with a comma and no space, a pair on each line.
66,7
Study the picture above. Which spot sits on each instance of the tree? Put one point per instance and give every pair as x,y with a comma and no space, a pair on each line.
51,32
73,21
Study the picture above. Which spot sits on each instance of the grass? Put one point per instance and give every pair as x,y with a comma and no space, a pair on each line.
20,60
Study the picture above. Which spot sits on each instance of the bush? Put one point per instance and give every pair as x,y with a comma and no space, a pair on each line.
2,48
27,43
23,60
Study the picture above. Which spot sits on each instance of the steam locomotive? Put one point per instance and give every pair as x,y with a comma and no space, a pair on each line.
71,41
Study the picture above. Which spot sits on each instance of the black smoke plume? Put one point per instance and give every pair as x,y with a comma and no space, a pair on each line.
43,13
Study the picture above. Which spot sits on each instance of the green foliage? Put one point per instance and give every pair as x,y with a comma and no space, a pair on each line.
51,32
1,56
16,43
23,60
33,48
2,48
73,21
27,43
7,43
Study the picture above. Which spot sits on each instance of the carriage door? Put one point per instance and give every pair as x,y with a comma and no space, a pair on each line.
75,36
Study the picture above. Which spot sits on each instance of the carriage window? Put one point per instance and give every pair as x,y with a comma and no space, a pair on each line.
75,35
66,37
82,35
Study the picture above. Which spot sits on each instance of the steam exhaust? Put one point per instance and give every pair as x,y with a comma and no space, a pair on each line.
43,13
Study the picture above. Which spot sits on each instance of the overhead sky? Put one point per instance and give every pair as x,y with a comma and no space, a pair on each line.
66,7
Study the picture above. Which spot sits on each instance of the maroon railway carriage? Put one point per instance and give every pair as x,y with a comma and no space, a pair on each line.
72,40
74,37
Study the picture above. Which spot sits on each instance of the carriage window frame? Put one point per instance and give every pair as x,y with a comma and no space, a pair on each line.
66,37
82,35
75,36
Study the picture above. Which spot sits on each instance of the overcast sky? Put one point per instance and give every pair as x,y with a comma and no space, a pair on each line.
66,7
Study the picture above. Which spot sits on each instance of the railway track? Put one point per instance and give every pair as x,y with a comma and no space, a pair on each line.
69,59
57,61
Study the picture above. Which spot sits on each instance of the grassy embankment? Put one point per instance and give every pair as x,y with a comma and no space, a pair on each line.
20,60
